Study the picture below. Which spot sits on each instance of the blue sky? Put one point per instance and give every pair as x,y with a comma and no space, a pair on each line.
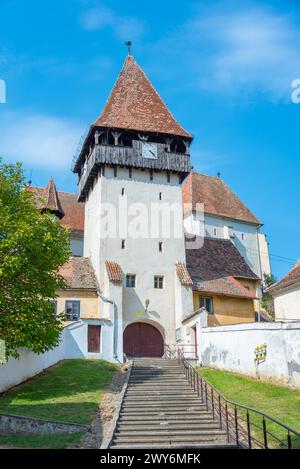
223,67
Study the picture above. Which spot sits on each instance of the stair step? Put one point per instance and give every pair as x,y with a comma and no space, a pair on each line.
206,445
166,426
163,438
180,419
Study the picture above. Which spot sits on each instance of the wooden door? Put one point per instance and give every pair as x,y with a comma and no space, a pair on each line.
142,340
94,338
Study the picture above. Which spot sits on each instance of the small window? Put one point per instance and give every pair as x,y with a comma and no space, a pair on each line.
130,281
243,236
160,196
168,177
215,231
207,303
123,191
160,246
115,172
123,244
151,174
158,281
72,310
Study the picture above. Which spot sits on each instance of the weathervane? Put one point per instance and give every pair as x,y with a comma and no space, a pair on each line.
128,44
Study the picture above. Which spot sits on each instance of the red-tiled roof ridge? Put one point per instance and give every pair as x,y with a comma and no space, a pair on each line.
114,271
183,274
134,104
218,198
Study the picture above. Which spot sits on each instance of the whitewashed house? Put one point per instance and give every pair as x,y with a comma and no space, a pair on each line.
286,294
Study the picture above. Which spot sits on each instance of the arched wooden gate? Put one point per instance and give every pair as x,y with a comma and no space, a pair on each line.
142,340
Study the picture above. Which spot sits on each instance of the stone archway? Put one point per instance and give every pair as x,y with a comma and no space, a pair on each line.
141,339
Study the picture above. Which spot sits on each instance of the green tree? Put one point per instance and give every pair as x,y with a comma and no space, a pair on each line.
267,302
33,246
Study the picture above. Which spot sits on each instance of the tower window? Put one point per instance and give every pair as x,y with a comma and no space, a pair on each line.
115,172
123,244
130,173
160,196
158,281
168,176
151,174
215,231
130,281
160,246
243,236
123,191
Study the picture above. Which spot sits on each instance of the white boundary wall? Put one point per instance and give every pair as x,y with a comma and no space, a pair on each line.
232,348
73,344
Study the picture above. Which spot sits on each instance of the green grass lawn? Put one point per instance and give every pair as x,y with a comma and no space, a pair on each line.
279,402
69,392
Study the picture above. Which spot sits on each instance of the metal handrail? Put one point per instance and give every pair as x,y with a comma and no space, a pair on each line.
238,427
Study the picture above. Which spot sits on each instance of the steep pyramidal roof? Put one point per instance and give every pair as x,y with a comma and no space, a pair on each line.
134,104
47,198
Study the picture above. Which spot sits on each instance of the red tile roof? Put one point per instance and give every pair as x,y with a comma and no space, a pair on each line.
114,271
79,274
217,197
290,279
183,274
73,211
217,258
225,286
134,104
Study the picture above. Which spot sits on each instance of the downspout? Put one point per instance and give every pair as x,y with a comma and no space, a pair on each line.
115,319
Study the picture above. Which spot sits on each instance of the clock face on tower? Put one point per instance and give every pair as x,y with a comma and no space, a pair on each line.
149,150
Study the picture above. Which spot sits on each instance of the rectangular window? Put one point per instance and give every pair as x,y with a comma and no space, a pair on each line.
207,303
130,281
123,191
94,334
130,173
72,310
123,244
160,246
151,174
168,176
160,196
115,172
158,281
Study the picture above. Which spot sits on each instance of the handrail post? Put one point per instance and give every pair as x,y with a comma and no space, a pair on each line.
212,403
265,433
289,440
248,430
227,422
198,391
220,412
205,387
236,426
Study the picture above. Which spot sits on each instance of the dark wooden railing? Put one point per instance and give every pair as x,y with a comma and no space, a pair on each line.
247,427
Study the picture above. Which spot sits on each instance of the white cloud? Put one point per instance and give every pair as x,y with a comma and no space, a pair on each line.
39,141
99,17
238,51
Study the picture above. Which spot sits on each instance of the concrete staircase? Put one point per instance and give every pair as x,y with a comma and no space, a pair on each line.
161,410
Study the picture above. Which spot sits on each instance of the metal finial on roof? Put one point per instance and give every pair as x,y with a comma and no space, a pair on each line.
128,44
218,175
